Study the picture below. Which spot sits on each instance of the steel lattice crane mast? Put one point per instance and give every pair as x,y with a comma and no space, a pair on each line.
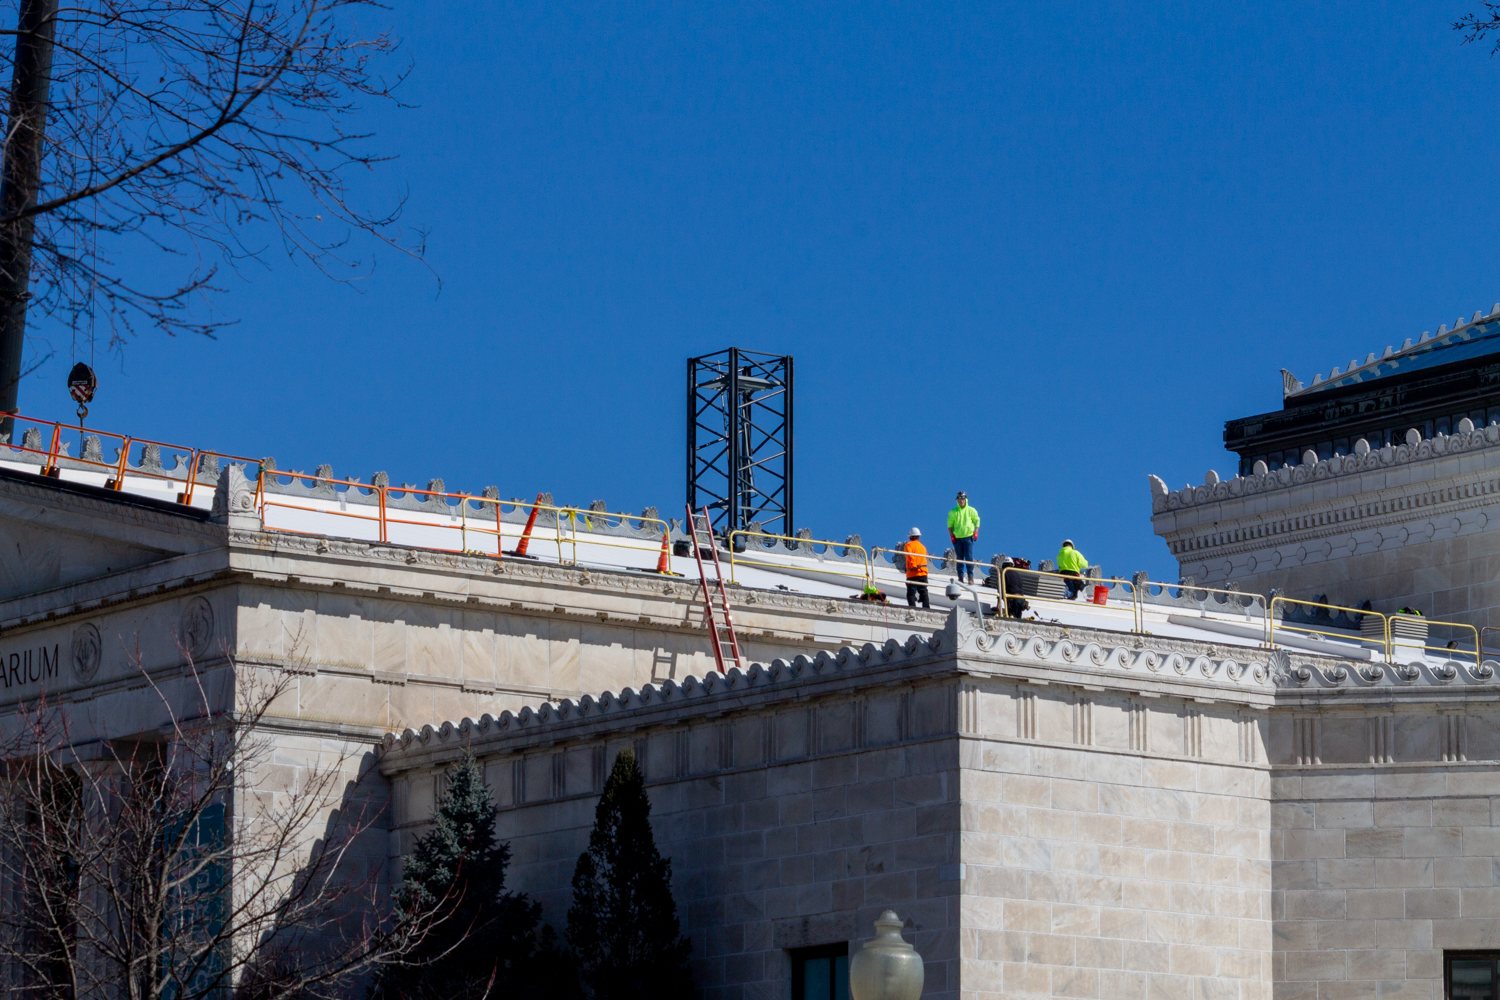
739,446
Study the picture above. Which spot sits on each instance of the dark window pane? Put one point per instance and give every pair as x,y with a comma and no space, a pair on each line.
1471,980
817,979
841,978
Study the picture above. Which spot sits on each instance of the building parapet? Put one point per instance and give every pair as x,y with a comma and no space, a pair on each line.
1468,438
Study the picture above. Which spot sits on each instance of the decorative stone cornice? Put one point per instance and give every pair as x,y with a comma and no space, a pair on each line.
334,551
1344,675
1365,459
1393,509
714,694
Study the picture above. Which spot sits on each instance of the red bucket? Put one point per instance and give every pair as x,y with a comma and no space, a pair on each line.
1101,594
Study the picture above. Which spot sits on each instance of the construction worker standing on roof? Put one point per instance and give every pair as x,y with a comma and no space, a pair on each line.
963,528
1071,563
915,554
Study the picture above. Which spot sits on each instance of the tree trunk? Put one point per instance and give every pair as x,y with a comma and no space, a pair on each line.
20,179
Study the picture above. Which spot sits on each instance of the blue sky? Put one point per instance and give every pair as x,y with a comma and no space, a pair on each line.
1030,250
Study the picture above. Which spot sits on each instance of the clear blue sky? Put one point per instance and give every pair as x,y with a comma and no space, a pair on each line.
1030,250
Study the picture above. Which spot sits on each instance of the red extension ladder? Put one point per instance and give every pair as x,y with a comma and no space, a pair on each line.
720,625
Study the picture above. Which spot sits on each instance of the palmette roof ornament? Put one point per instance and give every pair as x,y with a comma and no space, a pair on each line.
1466,438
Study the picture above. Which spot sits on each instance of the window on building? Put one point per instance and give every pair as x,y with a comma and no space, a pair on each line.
1470,975
821,973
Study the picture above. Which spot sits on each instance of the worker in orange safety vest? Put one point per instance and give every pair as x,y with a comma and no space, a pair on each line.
915,554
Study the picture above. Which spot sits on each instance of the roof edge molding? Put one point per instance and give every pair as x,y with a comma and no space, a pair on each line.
1480,334
1363,459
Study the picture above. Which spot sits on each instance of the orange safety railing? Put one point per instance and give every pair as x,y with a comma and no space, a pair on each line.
468,515
51,457
264,502
488,524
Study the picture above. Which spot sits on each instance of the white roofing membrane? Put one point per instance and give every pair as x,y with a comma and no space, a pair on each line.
821,574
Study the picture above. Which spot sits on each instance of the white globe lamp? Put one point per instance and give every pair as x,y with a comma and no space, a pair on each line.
886,968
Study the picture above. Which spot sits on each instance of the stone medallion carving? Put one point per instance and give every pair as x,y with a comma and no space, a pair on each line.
88,650
196,630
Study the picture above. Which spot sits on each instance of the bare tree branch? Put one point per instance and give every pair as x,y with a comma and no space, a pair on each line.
1478,27
165,866
183,136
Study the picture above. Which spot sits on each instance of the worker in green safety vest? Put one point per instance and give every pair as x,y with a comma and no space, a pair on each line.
963,530
1071,563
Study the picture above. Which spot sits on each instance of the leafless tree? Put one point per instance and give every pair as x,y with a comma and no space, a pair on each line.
186,862
150,143
1478,27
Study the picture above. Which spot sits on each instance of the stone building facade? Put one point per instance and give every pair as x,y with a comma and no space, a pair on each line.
1054,814
1377,483
1118,805
1405,525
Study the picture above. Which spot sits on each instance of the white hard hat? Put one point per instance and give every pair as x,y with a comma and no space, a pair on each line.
915,533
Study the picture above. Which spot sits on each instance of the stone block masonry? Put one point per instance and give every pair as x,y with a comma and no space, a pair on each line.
1416,524
1041,837
1058,812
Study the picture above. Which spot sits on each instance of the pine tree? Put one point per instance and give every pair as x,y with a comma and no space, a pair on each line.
623,923
487,944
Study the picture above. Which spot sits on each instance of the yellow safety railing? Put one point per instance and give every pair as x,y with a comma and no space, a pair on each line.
948,564
864,574
1156,593
1482,631
576,514
1448,650
1326,632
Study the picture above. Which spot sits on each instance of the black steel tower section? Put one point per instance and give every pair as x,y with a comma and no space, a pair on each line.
739,443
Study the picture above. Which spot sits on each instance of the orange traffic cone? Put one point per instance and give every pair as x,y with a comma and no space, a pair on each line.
664,561
526,535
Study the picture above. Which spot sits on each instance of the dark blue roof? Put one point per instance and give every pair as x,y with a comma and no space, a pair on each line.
1475,339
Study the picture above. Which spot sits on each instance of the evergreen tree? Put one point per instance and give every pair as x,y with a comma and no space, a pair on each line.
623,923
487,945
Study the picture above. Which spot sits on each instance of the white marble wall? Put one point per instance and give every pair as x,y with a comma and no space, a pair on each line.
786,828
1421,531
1041,839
